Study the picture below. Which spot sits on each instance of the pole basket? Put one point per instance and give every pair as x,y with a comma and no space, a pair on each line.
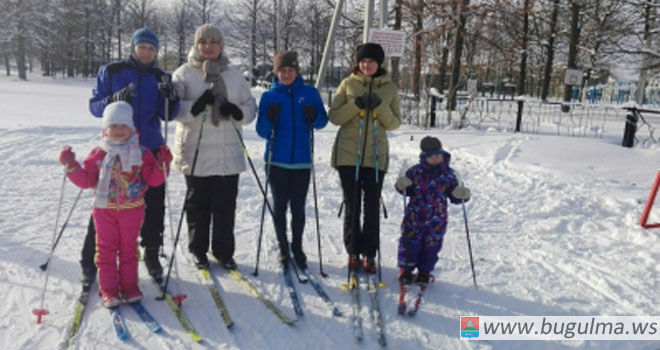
178,299
649,204
40,313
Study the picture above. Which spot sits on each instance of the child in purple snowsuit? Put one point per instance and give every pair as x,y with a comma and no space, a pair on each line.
428,184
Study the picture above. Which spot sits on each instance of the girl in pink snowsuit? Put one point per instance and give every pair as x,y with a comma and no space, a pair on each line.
120,172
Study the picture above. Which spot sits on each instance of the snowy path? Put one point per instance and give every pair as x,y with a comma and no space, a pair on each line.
553,223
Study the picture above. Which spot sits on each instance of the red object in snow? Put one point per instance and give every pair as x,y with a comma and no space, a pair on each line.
178,299
649,204
40,313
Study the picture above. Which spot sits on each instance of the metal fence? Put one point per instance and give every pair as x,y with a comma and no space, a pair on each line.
536,116
581,120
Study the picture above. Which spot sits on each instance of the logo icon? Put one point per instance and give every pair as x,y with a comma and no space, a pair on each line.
469,326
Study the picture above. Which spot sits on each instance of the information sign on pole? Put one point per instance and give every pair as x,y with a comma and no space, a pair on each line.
573,77
392,41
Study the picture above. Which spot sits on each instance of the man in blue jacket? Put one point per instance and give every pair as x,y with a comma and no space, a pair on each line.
287,114
138,81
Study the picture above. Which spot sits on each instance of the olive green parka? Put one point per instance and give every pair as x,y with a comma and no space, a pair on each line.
346,114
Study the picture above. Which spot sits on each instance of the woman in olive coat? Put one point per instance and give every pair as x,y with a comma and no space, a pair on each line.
365,107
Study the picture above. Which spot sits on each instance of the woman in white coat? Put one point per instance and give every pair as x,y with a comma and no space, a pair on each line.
207,150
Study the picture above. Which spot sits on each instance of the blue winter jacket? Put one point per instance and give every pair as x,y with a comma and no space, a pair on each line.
148,103
292,133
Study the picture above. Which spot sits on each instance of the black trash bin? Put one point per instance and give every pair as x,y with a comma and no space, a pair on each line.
630,130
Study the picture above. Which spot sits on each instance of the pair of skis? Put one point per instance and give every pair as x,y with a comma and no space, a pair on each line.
293,294
374,307
119,323
321,292
289,283
303,276
238,276
79,310
402,308
206,278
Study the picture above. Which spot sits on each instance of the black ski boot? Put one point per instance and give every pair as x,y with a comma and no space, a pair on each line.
284,255
228,264
153,264
88,276
301,259
201,261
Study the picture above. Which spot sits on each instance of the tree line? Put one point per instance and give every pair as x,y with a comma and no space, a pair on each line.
521,45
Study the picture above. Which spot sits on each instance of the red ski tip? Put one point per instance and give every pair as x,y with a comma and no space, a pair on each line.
40,313
178,299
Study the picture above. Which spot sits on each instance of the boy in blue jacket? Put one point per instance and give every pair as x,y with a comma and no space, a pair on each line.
287,114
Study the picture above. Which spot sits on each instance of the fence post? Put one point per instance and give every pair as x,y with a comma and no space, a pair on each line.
630,129
521,102
433,102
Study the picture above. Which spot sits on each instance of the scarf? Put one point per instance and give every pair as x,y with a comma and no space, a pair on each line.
213,75
129,154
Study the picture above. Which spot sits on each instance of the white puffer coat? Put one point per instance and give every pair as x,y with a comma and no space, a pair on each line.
220,150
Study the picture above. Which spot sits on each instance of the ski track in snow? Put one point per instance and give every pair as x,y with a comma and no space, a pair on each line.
550,236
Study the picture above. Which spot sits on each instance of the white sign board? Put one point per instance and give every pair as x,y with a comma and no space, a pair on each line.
392,41
472,86
573,77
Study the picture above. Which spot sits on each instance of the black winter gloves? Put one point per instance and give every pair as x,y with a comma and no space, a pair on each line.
229,109
367,101
198,107
167,90
125,94
273,112
310,113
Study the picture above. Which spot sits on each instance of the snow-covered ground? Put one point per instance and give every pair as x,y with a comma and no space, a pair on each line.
553,222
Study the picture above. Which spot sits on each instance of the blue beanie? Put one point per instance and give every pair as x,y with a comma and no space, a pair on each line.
144,35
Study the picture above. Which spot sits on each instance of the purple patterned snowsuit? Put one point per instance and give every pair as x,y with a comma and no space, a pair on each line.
425,219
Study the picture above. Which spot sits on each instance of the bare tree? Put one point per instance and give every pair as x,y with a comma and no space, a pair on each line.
650,26
398,14
181,24
247,16
139,13
419,46
547,71
523,50
460,9
573,44
20,32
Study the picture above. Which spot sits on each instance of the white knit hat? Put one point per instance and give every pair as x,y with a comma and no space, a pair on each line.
118,113
209,31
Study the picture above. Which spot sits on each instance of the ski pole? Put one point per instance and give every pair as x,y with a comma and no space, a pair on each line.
355,219
316,205
44,266
377,161
467,233
404,235
183,210
254,171
376,150
41,311
166,79
271,141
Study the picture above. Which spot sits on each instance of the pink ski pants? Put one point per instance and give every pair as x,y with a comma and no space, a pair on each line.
117,248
